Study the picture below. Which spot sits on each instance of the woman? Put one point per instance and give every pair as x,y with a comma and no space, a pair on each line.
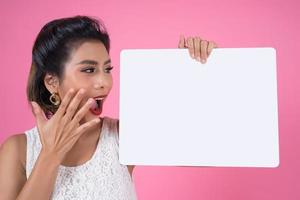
72,153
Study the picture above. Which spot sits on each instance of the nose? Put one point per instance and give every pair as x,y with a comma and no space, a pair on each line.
101,82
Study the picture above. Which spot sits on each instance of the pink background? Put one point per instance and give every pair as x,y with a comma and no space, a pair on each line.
157,24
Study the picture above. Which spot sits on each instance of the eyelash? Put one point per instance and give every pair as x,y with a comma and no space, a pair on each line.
93,68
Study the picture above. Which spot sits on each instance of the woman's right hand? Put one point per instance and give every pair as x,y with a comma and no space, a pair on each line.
59,133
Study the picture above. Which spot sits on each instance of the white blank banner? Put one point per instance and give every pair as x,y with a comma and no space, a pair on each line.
175,111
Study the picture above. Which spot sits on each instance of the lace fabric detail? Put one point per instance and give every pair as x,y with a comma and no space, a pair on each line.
100,178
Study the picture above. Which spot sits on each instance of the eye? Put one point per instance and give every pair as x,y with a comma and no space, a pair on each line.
108,69
89,70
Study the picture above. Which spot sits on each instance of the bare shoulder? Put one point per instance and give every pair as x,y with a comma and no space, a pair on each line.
14,142
12,166
14,147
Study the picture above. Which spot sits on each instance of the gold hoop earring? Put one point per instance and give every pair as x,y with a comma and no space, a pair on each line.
54,99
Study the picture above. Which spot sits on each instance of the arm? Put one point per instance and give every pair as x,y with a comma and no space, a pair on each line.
130,167
12,169
13,182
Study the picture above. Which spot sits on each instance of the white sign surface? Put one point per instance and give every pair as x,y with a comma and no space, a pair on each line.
175,111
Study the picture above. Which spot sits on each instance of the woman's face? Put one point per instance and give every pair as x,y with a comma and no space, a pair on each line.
88,68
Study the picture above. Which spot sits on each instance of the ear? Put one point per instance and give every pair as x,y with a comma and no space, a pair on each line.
52,83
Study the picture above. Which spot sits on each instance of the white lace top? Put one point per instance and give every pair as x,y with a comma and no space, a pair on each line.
100,178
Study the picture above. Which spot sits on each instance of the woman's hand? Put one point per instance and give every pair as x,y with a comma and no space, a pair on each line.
62,130
199,49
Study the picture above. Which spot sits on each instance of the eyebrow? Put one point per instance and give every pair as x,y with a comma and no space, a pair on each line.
92,62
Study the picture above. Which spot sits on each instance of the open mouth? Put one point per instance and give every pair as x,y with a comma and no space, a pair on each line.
96,108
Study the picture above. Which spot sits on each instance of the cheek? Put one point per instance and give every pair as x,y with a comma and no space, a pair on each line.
76,83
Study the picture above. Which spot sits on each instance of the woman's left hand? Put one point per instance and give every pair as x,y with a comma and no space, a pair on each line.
199,49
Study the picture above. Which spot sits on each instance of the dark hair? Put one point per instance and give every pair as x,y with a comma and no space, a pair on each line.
52,49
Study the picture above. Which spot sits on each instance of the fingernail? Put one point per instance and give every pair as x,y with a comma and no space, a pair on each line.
203,61
198,58
193,56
